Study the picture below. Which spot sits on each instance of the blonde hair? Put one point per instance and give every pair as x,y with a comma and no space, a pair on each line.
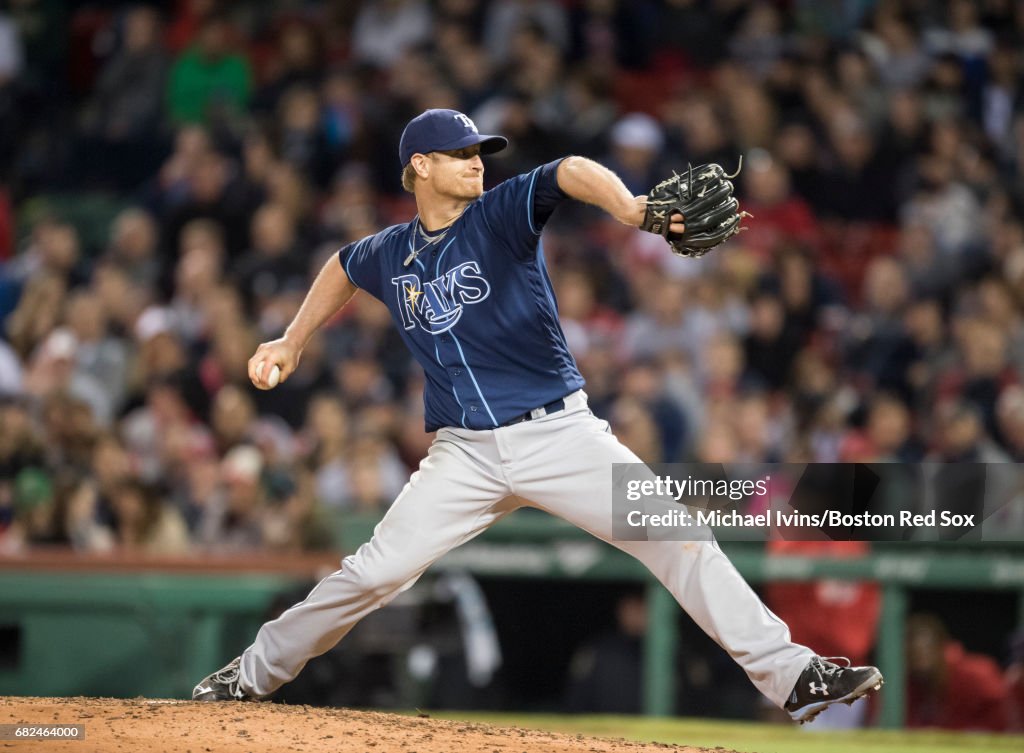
409,174
409,178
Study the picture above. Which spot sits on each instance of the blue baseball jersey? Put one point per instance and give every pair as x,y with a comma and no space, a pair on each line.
476,308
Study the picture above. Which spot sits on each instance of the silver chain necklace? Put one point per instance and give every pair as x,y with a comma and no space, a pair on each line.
430,241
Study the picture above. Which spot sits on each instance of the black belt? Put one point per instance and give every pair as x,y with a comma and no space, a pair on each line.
553,407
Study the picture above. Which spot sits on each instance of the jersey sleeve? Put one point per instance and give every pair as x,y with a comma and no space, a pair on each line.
362,264
517,210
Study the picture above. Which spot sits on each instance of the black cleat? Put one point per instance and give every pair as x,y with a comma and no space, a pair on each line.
823,683
222,685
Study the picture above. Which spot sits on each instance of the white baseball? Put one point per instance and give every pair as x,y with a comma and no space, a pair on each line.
274,376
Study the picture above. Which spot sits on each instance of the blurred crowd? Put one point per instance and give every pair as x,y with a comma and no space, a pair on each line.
173,174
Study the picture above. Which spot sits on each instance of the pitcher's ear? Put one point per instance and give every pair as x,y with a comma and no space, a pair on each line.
421,164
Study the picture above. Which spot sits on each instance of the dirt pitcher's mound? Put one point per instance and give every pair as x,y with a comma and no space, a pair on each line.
157,726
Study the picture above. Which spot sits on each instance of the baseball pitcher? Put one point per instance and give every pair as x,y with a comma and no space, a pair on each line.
468,289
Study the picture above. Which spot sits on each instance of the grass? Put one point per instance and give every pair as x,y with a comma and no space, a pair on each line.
749,737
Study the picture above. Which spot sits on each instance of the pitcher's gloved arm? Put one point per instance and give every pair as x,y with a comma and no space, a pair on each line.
593,183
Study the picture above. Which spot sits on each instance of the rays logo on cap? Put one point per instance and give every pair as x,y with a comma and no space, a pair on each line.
444,130
464,119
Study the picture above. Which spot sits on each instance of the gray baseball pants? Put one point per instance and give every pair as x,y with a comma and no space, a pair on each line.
560,463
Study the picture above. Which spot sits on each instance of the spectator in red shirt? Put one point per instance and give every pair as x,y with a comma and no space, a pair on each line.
950,687
782,216
837,617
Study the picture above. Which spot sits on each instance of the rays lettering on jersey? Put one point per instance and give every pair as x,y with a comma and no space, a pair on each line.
438,304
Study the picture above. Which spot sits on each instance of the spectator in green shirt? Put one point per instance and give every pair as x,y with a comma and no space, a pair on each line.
209,83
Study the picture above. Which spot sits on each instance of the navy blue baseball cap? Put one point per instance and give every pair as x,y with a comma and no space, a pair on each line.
442,131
